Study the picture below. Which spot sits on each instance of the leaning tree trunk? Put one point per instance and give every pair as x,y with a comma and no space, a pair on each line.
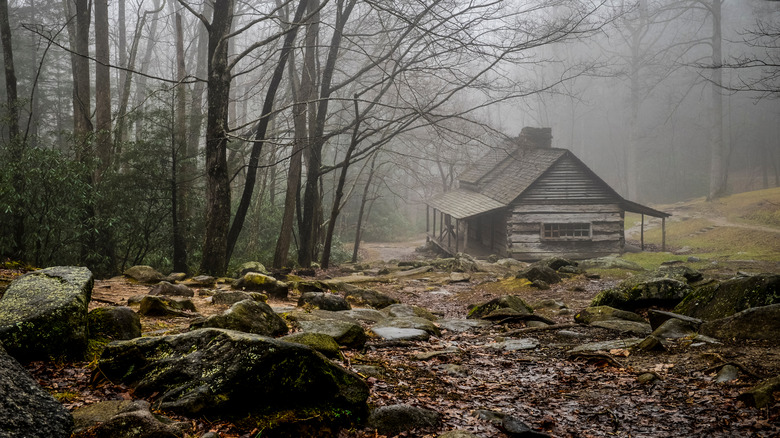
262,127
363,201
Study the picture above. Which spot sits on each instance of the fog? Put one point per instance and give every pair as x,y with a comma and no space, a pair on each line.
375,108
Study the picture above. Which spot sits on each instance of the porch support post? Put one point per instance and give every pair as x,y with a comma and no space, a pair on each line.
427,221
457,234
642,234
465,234
663,234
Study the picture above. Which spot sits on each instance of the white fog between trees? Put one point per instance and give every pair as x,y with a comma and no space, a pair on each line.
192,135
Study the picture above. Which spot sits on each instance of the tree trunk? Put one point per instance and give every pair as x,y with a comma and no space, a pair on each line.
214,260
336,209
102,89
262,126
311,195
718,150
140,91
179,207
359,225
16,146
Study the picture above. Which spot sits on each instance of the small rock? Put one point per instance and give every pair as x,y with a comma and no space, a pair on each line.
204,280
727,373
459,277
622,326
401,334
173,277
412,322
165,306
394,419
515,344
513,302
675,329
540,273
368,297
536,324
463,325
646,378
428,355
324,301
144,274
403,310
171,290
603,313
453,369
606,345
570,334
549,304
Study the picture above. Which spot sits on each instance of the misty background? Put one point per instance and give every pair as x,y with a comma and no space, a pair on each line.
135,128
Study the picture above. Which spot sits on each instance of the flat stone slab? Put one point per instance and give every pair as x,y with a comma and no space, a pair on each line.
515,344
400,334
463,325
606,345
623,326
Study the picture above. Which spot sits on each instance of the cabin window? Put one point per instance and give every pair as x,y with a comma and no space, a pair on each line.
566,231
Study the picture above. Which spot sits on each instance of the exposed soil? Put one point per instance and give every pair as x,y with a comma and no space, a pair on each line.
547,388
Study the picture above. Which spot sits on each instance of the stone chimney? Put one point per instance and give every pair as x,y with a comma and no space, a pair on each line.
535,137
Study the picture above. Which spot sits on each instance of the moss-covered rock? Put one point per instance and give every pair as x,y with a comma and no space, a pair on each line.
121,419
718,300
251,267
394,419
507,301
232,297
414,322
610,262
171,290
225,374
114,323
603,313
644,291
368,297
324,301
319,341
253,281
144,274
247,316
754,323
166,306
44,313
540,273
403,310
26,409
345,333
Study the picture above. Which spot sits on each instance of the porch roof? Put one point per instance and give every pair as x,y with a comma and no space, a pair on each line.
461,204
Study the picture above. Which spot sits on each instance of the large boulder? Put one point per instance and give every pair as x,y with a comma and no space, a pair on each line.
719,300
319,341
247,316
324,301
253,281
510,302
404,310
754,323
171,290
644,291
121,419
144,274
114,323
287,389
26,409
44,313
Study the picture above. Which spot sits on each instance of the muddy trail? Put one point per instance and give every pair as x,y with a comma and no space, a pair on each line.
475,375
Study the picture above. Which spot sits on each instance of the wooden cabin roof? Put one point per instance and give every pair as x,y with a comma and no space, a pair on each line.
511,172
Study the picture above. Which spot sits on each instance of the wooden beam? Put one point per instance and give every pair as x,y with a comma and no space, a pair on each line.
642,234
457,232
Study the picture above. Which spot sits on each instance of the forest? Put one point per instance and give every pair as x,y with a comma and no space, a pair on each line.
195,135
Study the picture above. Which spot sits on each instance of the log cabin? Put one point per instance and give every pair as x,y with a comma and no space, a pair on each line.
528,201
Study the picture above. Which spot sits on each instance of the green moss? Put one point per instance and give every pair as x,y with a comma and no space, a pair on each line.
65,396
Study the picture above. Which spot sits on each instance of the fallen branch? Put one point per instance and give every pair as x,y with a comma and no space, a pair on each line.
596,356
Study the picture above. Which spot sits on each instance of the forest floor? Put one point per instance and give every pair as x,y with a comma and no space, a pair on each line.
547,387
